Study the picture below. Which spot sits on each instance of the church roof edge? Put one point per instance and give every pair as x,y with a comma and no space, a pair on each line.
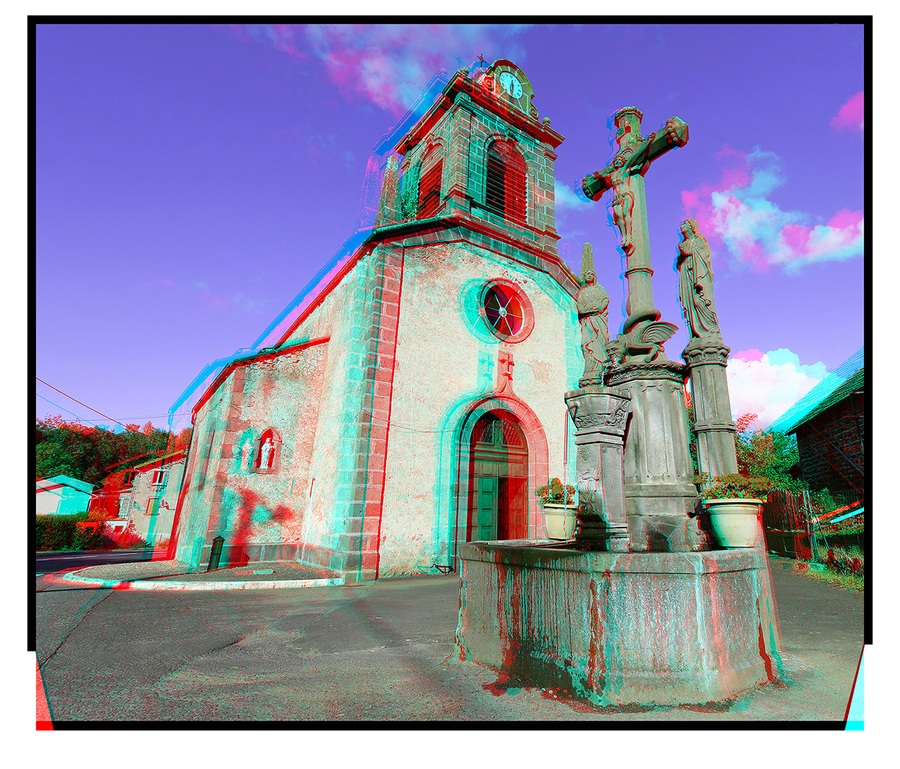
441,101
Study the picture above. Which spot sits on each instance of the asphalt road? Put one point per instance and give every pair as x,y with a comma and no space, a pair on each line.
48,563
378,652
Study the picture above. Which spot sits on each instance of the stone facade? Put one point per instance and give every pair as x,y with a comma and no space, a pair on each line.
152,498
376,394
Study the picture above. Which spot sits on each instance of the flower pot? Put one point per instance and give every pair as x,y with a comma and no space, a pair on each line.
736,522
560,521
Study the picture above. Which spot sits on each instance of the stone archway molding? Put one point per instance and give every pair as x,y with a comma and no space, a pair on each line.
538,460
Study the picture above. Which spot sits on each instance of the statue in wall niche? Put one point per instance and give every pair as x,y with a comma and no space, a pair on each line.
246,455
592,302
695,285
265,455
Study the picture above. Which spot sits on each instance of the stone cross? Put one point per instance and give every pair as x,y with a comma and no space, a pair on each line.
625,177
504,373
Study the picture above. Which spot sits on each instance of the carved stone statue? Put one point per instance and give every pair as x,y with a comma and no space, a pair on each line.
246,454
265,455
642,334
695,286
622,204
592,303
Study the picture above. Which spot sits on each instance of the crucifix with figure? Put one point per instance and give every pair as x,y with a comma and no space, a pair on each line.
642,334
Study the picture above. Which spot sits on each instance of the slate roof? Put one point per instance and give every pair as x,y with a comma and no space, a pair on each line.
160,461
855,383
47,484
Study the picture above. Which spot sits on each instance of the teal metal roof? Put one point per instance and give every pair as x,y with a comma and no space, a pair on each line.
855,383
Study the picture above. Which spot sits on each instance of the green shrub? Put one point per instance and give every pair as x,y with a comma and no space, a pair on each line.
732,486
57,532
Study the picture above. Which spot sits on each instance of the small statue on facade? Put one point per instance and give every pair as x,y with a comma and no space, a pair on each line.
695,286
265,455
246,454
592,303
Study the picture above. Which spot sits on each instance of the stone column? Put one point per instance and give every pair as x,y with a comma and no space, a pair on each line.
459,197
707,358
660,496
638,270
600,415
387,208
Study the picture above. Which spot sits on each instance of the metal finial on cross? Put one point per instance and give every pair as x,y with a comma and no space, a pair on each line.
481,59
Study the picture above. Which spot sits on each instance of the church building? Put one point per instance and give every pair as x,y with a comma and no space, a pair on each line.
416,401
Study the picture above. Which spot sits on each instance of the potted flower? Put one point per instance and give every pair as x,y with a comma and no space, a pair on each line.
734,503
558,502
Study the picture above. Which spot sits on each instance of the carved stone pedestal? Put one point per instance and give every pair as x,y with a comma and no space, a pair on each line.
706,359
600,415
660,496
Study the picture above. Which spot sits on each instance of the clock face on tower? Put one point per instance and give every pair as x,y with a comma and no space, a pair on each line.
510,83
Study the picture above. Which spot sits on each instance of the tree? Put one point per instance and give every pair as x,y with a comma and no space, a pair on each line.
767,453
86,453
760,453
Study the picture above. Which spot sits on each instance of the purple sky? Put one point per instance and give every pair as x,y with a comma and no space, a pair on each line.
192,179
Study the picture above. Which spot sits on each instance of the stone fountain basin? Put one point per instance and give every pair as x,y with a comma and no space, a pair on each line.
620,628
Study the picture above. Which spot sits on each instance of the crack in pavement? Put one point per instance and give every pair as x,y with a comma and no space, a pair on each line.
74,628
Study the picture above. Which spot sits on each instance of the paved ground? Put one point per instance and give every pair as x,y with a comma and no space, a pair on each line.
381,651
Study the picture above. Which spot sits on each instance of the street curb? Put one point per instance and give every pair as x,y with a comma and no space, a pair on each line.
140,584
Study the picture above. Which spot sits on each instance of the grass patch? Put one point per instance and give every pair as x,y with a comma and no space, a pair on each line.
839,566
838,579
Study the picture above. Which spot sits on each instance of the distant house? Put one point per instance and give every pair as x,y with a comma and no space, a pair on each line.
62,495
152,496
831,439
112,499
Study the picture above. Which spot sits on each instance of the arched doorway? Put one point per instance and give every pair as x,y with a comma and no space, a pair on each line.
498,479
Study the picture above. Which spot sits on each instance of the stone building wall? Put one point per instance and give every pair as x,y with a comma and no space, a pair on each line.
840,427
447,361
152,506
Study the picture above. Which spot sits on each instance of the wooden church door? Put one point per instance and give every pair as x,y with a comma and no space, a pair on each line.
484,514
498,479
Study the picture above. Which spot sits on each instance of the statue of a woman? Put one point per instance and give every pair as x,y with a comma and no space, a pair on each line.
265,459
695,285
592,303
246,454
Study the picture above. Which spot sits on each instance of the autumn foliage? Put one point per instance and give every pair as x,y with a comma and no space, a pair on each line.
91,453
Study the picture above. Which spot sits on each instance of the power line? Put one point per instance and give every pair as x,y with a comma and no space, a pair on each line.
94,422
80,419
83,404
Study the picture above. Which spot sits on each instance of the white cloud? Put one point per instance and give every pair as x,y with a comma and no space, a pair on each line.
566,199
768,385
755,230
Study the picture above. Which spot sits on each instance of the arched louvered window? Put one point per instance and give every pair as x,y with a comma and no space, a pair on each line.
505,187
430,191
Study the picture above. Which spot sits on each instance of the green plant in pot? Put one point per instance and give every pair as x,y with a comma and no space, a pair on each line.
734,503
558,502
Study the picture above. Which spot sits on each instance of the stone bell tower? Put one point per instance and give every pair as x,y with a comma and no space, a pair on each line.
481,155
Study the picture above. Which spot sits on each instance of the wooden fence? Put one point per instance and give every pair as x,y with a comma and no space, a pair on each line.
786,520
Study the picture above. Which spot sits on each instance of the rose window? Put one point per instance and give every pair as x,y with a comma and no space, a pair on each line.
506,311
